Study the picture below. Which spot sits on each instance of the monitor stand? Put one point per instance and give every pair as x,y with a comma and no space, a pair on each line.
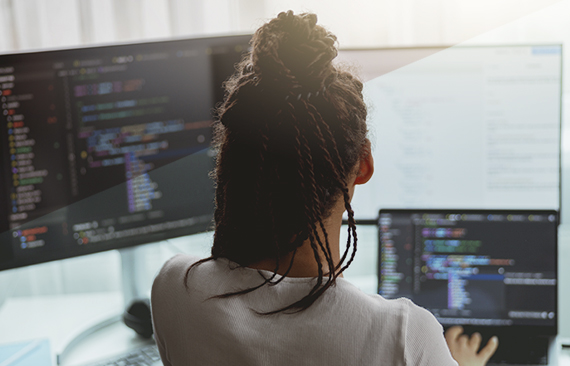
131,291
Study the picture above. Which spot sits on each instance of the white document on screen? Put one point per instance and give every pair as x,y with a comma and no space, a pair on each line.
467,127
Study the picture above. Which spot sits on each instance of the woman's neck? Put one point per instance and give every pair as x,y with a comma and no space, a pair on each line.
304,263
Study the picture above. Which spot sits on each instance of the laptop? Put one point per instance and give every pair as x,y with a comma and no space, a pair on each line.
490,271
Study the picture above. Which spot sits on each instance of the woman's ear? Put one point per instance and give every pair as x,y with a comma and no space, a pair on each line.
366,166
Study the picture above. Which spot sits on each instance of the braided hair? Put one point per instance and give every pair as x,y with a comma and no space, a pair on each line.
288,135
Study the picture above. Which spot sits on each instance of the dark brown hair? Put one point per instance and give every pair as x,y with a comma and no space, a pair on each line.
290,131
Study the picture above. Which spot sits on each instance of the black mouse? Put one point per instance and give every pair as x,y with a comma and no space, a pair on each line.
138,317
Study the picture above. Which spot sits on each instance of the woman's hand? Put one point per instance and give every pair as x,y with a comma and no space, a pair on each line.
464,349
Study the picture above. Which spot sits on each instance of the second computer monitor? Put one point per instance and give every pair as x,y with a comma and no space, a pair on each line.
462,126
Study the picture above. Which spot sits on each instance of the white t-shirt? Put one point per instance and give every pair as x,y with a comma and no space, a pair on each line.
343,327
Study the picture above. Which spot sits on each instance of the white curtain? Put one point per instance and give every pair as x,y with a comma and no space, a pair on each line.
38,24
41,24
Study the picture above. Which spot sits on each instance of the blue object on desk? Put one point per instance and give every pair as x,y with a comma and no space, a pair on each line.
30,353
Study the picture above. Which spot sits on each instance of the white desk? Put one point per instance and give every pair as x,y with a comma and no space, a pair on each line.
60,318
104,344
564,353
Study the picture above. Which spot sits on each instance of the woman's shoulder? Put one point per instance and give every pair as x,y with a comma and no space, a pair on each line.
400,312
177,265
375,301
413,316
173,273
377,308
183,272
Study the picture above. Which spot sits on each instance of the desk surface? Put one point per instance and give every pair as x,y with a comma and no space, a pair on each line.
106,343
60,318
564,355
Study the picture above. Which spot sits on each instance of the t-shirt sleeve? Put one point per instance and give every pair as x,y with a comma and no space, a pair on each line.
424,341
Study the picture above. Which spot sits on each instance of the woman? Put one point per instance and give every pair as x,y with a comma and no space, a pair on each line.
292,146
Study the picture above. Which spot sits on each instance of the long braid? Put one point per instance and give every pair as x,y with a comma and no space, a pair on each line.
313,184
326,250
262,153
338,175
351,230
305,160
351,222
348,207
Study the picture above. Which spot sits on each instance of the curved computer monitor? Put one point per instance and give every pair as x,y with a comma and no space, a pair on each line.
464,126
108,147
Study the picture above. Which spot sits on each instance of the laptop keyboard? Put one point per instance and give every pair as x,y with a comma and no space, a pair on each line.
144,356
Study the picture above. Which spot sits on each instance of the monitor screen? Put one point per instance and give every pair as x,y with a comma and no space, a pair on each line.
473,267
108,147
474,127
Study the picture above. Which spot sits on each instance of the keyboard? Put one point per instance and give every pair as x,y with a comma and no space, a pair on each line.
514,348
144,356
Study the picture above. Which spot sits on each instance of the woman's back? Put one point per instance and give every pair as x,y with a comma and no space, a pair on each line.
343,327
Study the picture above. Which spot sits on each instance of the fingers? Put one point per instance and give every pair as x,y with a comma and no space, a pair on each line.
489,349
453,333
463,340
475,341
464,348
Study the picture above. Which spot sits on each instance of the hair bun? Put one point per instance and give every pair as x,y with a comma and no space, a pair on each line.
294,48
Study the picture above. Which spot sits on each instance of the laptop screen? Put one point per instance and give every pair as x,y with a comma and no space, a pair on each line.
472,267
